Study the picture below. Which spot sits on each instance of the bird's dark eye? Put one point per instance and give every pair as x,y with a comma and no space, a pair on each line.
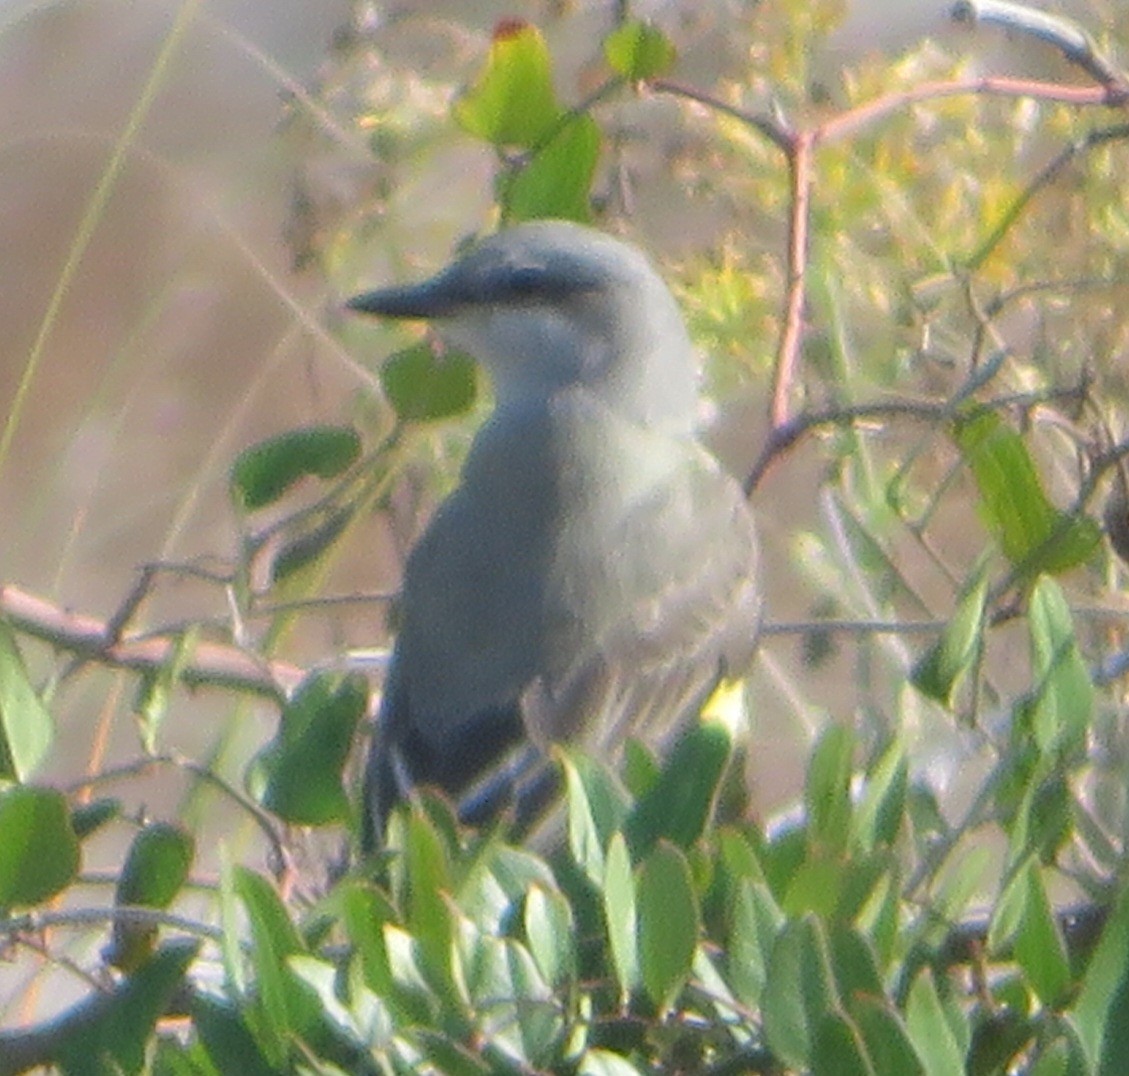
525,283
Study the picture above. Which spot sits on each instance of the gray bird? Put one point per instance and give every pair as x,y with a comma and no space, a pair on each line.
595,572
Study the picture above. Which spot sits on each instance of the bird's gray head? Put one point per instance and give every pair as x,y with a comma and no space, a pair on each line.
550,304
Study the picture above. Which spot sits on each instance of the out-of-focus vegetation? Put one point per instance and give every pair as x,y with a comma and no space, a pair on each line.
906,284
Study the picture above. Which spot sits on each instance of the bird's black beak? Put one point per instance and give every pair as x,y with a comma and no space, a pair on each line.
430,299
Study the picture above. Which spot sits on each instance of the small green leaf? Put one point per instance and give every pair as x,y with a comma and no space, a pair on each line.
92,816
827,791
39,852
550,931
639,51
305,762
881,809
641,768
512,102
430,916
1043,820
816,885
929,1029
229,1043
26,728
606,1063
364,910
264,472
307,546
597,807
799,991
1100,1014
669,923
941,669
1023,925
534,1014
424,387
1033,534
1064,695
679,805
556,182
156,868
855,965
755,922
885,1036
273,938
620,916
837,1047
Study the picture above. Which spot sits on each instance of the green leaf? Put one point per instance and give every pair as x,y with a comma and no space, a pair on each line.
738,855
550,931
364,910
299,550
264,472
597,807
605,1063
1033,534
1100,1014
556,182
941,669
620,916
885,1036
512,102
639,51
39,852
304,764
669,923
799,991
91,817
226,1037
430,916
1044,819
881,809
1064,696
117,1041
329,1018
422,386
815,886
534,1016
855,965
837,1048
273,938
754,923
640,769
929,1029
26,728
827,792
879,916
679,805
156,868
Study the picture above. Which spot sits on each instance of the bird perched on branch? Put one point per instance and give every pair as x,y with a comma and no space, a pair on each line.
594,574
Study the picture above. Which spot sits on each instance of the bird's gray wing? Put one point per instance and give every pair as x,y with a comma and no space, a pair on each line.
588,578
668,597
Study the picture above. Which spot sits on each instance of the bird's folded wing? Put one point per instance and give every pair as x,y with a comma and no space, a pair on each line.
668,607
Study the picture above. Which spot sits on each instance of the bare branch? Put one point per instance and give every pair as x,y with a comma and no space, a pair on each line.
210,664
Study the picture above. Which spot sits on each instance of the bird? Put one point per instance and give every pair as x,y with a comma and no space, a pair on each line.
594,573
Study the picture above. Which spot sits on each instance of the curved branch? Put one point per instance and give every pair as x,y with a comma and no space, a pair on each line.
210,664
